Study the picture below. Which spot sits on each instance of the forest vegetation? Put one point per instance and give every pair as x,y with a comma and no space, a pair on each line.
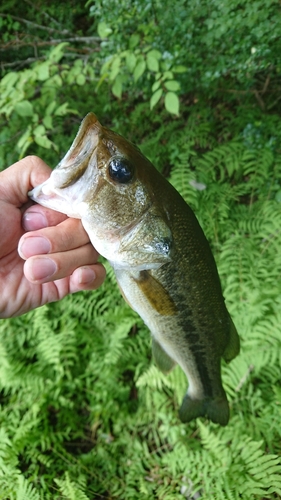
84,412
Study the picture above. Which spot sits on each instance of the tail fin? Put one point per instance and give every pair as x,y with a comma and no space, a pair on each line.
217,410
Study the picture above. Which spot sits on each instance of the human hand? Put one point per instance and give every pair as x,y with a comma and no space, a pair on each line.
44,255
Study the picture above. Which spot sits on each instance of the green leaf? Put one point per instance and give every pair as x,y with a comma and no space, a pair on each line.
39,130
134,40
35,118
24,141
172,85
43,141
156,85
50,108
62,110
117,87
42,71
57,52
115,68
101,80
155,98
8,81
168,75
48,122
155,54
131,61
105,67
172,103
179,69
24,108
152,63
81,79
139,70
104,30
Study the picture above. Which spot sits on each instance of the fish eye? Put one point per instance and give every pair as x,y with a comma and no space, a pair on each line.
120,170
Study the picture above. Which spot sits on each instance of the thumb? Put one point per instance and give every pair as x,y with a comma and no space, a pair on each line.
21,177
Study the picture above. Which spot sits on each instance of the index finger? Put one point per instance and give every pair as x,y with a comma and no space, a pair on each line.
37,217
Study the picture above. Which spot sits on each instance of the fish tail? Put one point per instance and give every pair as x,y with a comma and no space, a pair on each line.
217,409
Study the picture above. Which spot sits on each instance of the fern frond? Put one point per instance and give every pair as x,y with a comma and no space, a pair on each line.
25,490
69,489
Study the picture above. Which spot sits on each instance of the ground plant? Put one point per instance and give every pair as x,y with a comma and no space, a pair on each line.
84,412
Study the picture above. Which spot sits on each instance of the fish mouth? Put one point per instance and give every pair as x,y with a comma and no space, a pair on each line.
66,186
80,155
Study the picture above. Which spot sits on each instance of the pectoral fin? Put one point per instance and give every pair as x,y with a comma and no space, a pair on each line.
162,360
156,294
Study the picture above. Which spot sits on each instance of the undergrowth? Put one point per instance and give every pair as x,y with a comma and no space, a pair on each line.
84,412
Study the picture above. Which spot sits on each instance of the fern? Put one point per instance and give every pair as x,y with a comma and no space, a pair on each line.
69,489
84,411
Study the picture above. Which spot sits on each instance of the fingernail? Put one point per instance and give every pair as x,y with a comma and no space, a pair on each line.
33,220
86,275
43,268
34,245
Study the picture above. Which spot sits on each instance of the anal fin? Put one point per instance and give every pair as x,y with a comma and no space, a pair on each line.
162,359
233,346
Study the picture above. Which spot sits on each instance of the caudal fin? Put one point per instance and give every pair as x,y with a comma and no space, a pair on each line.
217,410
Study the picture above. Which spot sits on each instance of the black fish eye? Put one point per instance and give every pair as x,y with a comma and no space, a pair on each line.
120,170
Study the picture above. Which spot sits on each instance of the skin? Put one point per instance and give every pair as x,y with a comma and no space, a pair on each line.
44,255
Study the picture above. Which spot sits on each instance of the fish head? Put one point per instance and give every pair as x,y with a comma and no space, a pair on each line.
106,182
99,178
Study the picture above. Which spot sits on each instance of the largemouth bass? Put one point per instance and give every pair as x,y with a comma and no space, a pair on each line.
162,260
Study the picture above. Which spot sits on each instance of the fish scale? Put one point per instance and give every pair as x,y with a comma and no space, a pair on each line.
162,260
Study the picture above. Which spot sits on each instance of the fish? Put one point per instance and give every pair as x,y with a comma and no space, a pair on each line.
162,260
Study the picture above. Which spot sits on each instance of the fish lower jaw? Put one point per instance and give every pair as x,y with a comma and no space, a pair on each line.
49,197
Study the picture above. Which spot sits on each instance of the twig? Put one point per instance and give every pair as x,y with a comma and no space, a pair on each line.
35,25
244,378
266,83
244,92
270,106
86,39
259,99
21,62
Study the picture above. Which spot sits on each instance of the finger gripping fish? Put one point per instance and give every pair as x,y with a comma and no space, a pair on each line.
161,258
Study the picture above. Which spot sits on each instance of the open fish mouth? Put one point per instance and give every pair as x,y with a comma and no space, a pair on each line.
65,189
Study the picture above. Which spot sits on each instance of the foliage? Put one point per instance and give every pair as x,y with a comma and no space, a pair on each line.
84,412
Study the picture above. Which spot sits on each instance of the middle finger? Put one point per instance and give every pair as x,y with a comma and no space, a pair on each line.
66,236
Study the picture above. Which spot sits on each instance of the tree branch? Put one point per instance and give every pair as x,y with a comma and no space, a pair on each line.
35,25
16,44
21,62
